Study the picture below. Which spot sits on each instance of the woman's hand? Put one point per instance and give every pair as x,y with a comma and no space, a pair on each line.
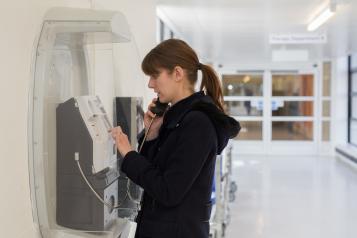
121,141
155,127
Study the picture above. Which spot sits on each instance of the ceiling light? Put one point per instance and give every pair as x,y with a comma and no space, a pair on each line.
230,87
321,18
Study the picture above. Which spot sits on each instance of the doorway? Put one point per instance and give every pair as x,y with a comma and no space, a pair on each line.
276,109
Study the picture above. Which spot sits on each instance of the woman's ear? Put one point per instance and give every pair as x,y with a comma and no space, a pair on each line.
178,73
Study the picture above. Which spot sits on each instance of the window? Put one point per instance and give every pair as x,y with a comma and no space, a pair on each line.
326,101
243,96
164,31
352,100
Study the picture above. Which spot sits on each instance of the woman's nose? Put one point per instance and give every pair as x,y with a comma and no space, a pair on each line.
151,83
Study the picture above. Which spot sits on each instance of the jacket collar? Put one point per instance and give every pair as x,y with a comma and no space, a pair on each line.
176,112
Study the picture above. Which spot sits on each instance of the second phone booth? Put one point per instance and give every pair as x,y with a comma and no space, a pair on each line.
130,117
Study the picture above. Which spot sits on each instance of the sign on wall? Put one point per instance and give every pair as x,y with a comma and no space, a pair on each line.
311,38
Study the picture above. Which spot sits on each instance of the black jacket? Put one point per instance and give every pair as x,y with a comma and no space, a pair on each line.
176,169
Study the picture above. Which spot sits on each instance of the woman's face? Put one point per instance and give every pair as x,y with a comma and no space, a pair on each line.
164,85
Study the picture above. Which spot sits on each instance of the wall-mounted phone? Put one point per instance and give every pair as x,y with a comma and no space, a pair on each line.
82,133
91,190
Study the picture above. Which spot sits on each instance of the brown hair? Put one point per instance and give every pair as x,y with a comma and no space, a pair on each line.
173,52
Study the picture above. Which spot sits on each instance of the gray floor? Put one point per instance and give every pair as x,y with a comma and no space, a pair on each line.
293,197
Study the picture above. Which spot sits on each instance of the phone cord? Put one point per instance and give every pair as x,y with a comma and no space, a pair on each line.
93,190
146,133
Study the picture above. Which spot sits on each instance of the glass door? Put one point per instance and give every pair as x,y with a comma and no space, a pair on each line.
276,109
292,112
244,100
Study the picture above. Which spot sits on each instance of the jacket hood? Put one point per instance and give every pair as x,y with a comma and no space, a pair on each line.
226,126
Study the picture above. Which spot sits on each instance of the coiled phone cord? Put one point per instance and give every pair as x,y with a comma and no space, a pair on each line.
76,158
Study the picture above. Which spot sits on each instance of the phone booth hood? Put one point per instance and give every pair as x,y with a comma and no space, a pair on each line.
73,57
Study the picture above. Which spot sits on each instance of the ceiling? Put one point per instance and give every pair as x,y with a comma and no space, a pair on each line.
232,32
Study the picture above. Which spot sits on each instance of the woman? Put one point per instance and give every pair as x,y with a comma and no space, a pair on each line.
176,164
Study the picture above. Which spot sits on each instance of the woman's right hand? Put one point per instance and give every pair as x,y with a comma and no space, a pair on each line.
156,124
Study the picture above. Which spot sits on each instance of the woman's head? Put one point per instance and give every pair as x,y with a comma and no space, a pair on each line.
173,63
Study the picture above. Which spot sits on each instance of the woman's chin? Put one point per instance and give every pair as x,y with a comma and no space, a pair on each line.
161,99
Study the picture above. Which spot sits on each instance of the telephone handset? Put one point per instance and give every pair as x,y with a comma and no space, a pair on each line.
159,108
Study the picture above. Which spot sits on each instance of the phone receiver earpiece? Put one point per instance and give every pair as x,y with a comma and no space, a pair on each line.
159,108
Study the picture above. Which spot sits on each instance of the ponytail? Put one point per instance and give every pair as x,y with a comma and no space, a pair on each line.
212,85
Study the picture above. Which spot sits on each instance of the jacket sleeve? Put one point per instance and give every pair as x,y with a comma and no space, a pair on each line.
195,142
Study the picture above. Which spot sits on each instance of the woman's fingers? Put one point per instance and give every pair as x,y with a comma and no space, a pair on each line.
117,131
121,140
150,114
151,105
113,132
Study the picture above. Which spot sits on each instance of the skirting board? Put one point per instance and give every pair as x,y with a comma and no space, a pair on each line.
347,157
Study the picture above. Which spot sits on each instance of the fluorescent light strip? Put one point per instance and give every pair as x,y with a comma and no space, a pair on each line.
321,19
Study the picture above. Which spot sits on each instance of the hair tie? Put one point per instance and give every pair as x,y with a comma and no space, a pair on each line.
199,66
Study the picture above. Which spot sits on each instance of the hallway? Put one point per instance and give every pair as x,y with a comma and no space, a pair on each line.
293,197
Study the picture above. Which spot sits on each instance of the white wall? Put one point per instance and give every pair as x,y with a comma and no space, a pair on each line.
20,22
339,102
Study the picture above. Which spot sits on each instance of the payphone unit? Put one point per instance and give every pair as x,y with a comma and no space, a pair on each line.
92,191
85,145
